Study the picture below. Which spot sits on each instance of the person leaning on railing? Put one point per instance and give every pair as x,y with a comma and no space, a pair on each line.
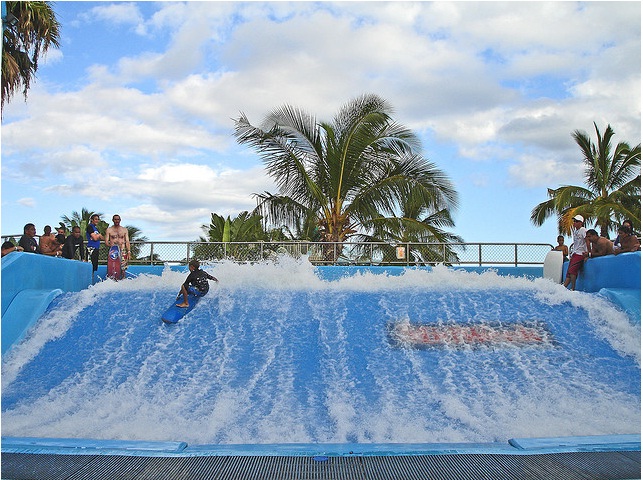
627,242
598,246
28,239
8,247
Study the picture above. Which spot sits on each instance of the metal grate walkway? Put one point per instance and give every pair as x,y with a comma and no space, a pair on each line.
560,466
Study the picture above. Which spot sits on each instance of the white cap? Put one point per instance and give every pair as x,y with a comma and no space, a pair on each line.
579,218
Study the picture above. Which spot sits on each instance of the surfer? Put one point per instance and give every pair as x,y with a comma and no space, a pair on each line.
196,283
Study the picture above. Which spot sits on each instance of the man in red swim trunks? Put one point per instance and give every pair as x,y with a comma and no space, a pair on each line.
578,251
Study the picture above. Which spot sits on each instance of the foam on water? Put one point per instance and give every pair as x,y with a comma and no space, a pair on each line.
276,354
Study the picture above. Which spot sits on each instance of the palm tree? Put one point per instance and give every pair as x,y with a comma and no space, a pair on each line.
418,225
29,29
613,189
245,227
348,174
136,237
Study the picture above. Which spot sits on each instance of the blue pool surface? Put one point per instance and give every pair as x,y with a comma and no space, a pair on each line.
283,356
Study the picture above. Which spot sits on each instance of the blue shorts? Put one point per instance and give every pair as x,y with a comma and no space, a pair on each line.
196,292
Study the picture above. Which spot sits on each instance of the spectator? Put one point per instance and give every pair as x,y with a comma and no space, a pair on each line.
28,240
580,247
60,238
74,247
48,243
561,247
599,246
628,242
628,224
8,247
93,240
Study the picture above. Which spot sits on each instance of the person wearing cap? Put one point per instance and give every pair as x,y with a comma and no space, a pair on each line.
578,252
196,283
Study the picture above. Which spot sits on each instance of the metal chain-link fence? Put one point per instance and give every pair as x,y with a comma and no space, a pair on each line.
347,253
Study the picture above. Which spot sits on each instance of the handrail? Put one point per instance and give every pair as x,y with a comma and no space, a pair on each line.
337,253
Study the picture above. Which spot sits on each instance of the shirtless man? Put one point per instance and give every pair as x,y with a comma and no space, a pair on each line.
117,235
599,246
628,242
49,245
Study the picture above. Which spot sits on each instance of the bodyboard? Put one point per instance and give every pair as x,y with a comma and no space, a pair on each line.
174,313
553,266
114,269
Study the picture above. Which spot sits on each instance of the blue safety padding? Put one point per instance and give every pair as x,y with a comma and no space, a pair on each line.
629,299
23,311
13,443
610,271
582,443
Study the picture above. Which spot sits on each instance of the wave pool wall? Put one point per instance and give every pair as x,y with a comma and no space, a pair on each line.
29,283
611,271
615,277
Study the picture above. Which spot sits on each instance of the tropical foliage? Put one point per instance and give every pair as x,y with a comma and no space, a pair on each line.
419,225
245,227
613,187
29,29
348,177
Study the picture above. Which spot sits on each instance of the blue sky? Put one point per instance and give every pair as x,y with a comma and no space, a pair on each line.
133,114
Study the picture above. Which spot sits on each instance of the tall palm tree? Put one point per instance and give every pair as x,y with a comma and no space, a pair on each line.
613,180
29,29
349,174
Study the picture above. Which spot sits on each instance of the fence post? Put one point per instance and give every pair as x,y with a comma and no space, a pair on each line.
516,255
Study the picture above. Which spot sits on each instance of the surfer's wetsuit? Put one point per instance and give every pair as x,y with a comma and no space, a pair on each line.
197,282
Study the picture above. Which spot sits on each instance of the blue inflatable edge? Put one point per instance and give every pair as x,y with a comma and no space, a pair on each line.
529,446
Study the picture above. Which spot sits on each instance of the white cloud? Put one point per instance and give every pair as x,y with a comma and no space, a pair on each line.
120,13
27,202
500,83
534,171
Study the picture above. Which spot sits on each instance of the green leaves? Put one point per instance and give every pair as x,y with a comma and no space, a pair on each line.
346,173
29,29
613,188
